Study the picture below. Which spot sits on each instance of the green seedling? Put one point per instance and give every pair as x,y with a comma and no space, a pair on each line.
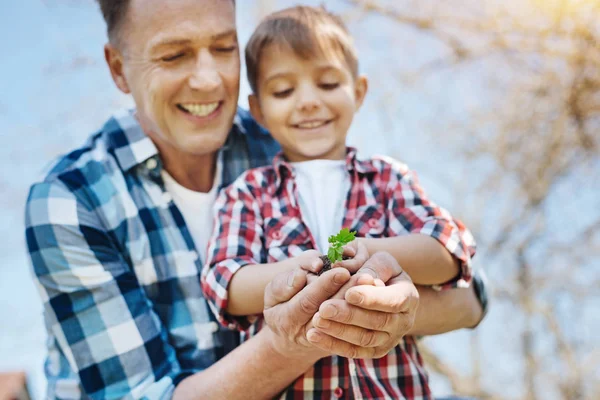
336,248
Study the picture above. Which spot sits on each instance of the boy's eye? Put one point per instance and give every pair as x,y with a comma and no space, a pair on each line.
283,93
173,57
329,86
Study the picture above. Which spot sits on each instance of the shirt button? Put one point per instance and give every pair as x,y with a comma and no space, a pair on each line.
276,235
338,392
373,223
166,196
151,163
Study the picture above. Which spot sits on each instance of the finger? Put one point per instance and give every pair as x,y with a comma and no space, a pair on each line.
349,251
310,278
381,265
307,302
341,348
353,281
284,287
352,264
350,333
315,266
399,296
342,312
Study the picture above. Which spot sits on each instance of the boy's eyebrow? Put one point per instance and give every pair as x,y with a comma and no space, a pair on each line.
277,75
184,40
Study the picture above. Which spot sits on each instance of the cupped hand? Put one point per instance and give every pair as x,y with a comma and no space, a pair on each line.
370,313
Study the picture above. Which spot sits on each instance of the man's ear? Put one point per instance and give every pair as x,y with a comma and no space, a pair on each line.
360,90
255,109
114,59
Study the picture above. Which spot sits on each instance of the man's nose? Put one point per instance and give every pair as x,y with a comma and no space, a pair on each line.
205,76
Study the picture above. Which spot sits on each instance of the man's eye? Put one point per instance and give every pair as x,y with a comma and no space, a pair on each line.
229,49
171,58
283,93
329,86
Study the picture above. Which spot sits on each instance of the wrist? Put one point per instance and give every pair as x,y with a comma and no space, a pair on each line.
289,350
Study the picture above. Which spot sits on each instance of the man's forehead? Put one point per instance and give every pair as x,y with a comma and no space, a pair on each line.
176,20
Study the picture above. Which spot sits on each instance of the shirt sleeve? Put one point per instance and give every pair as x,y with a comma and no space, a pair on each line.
410,211
94,306
236,241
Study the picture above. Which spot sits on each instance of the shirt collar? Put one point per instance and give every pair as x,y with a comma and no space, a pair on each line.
133,147
284,169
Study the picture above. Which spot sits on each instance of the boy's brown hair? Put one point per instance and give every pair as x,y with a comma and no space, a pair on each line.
307,31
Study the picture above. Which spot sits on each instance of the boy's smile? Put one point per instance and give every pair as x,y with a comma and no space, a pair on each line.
306,104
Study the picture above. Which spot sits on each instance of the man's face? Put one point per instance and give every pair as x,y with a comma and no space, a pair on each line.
180,61
307,105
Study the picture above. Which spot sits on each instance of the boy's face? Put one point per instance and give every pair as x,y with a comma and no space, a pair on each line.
307,105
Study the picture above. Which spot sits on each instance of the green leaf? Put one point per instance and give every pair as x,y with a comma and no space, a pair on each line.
337,242
331,254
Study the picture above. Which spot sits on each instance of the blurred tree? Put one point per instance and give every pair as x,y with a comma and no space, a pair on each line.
535,135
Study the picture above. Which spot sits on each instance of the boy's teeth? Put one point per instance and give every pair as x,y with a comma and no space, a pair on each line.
200,110
311,125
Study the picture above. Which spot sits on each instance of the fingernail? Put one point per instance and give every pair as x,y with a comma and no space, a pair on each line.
354,297
291,277
340,278
329,311
313,335
322,323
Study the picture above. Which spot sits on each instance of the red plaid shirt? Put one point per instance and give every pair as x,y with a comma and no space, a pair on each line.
259,221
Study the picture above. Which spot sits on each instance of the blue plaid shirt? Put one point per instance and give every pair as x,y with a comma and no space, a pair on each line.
117,268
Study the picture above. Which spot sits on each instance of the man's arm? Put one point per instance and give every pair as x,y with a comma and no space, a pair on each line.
95,308
268,362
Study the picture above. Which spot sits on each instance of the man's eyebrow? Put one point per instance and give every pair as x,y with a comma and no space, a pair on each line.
184,41
223,35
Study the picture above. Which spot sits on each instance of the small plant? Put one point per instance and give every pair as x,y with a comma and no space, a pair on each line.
336,248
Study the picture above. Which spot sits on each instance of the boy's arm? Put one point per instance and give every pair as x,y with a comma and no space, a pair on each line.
247,286
424,258
439,249
237,241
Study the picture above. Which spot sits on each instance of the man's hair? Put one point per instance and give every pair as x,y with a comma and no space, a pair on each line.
307,31
114,12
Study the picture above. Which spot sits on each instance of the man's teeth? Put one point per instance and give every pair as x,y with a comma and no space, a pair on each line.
311,125
200,110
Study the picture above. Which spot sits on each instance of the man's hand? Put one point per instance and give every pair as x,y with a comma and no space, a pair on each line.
372,317
290,306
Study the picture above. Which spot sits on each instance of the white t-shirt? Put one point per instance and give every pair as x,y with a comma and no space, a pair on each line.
196,208
323,186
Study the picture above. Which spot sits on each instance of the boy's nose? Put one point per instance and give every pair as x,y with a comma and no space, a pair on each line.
308,100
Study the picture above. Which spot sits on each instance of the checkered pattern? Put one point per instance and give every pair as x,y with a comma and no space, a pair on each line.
117,268
259,221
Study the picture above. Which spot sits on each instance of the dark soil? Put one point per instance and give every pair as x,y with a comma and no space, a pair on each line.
327,263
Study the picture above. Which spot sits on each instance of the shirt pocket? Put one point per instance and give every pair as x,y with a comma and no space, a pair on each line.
370,221
285,237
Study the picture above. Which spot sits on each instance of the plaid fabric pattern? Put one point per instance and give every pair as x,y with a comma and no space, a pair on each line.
117,268
259,221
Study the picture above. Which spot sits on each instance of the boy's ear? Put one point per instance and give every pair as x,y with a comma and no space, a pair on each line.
255,109
114,59
360,90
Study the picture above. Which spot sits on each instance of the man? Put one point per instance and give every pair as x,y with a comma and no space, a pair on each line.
116,236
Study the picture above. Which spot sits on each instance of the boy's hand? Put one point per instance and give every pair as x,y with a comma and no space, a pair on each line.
358,253
309,261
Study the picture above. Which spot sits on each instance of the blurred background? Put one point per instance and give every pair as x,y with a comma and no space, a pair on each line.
495,103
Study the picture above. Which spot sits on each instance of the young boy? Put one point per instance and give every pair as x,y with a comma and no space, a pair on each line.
303,71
